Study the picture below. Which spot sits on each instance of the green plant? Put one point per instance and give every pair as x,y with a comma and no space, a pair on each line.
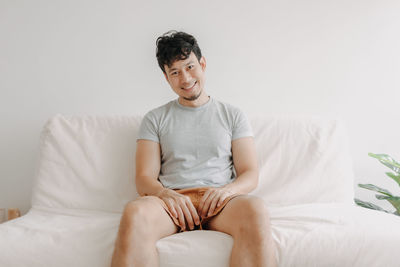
384,194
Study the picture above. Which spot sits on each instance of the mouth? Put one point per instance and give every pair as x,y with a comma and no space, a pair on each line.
189,88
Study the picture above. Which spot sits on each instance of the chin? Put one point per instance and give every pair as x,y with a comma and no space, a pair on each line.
193,97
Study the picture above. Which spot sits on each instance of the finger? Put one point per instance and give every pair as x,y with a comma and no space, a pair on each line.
186,212
213,204
171,208
181,218
203,200
221,200
193,211
207,204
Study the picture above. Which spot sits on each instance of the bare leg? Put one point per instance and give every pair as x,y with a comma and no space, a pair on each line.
245,218
143,223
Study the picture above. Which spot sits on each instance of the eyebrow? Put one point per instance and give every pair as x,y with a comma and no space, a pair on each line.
190,62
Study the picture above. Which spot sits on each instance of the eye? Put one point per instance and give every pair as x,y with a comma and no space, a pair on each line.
174,73
190,67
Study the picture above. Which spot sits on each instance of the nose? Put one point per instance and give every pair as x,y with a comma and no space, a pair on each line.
185,78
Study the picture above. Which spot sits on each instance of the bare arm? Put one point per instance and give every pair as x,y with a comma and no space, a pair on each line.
245,162
148,165
246,167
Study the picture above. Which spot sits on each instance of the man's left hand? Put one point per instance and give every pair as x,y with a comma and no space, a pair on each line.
212,199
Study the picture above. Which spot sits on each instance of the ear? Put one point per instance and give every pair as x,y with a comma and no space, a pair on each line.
203,63
166,76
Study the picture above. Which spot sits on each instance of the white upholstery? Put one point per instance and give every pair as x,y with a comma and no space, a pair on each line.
303,160
85,177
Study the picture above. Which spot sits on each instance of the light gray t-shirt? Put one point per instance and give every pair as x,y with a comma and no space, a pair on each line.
195,142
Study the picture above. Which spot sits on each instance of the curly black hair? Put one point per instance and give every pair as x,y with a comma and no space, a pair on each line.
173,45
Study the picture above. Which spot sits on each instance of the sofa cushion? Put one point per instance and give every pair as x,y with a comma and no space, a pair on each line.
331,235
87,162
303,160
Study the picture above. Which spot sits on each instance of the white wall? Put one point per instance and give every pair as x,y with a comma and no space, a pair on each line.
337,58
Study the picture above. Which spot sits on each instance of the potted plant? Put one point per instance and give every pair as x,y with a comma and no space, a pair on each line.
384,194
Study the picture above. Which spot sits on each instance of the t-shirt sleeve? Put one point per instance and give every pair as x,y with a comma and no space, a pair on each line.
241,126
149,129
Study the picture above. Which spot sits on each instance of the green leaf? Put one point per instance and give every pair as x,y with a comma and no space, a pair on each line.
368,205
394,177
376,189
387,161
395,201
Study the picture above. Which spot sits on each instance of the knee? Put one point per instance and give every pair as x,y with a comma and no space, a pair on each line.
136,215
254,218
136,224
253,209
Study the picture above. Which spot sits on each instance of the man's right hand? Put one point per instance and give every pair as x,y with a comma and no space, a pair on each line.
180,207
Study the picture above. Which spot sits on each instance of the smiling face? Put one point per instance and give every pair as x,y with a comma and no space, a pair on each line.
186,78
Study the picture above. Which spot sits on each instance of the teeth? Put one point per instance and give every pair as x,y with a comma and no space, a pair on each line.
190,86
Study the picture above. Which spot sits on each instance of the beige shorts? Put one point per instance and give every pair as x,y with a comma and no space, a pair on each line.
195,195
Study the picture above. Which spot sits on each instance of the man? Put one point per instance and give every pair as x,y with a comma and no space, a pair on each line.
195,163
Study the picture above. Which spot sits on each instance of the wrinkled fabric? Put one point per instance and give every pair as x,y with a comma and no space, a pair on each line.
85,177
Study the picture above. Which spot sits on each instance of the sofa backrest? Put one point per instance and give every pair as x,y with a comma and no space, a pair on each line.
88,162
303,160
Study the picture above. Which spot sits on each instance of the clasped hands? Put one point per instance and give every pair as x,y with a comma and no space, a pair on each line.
181,207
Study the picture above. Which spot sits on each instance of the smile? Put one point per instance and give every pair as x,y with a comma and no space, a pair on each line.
189,88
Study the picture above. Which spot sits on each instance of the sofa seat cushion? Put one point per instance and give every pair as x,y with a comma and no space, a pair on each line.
306,235
58,238
335,235
195,248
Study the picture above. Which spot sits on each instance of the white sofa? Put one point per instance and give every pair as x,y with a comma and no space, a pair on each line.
85,176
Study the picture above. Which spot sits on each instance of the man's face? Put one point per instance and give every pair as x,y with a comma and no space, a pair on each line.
186,78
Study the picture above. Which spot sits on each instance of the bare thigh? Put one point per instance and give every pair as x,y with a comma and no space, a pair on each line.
146,217
241,210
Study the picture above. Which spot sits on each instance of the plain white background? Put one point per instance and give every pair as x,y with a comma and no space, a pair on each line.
327,58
